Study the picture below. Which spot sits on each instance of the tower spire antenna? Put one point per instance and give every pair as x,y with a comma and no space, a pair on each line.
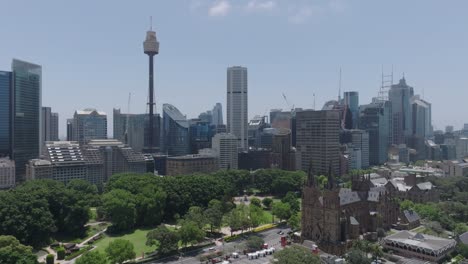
339,89
151,23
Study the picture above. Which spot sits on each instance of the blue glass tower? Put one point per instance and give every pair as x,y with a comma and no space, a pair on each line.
176,131
26,92
5,113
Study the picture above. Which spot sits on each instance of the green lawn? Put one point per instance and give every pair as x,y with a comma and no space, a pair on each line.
137,238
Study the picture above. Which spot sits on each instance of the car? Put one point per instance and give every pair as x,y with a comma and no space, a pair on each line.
211,249
235,255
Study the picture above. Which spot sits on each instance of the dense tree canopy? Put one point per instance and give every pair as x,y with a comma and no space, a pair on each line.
13,252
296,255
119,207
92,257
166,240
119,251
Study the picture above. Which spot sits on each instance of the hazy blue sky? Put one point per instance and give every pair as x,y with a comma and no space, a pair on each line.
92,55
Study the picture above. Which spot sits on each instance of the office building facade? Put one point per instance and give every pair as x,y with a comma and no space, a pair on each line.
5,113
318,140
175,131
402,117
136,135
89,124
190,164
7,173
26,114
351,100
225,146
375,118
237,104
217,114
360,141
49,125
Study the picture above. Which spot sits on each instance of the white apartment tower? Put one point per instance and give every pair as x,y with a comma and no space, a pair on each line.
225,146
237,105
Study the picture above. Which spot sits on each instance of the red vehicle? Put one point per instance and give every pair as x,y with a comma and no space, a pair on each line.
265,246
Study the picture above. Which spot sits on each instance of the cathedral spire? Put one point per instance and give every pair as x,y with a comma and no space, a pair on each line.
311,176
331,178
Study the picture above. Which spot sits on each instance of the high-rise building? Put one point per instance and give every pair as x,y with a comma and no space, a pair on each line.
89,124
151,48
5,113
402,118
26,114
281,146
54,127
421,127
225,145
217,114
201,133
237,104
318,140
375,118
351,100
360,140
70,129
190,164
175,131
136,135
7,173
256,126
49,125
449,129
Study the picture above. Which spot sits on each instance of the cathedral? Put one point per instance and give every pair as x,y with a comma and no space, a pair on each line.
333,217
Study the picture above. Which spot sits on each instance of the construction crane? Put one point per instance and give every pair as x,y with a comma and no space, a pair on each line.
288,104
128,118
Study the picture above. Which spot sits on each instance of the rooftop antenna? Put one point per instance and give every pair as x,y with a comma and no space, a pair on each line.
339,89
151,23
314,100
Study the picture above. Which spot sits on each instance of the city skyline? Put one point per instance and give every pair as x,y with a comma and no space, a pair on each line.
326,36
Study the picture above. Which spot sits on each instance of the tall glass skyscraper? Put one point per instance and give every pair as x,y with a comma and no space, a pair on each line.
400,96
237,104
27,80
175,131
5,113
351,99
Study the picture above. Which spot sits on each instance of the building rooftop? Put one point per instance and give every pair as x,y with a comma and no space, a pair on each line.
464,238
89,111
192,157
425,185
411,216
420,241
175,115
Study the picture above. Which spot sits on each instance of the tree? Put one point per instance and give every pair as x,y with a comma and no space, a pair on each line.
254,242
12,251
50,259
190,232
356,256
376,252
296,255
234,220
267,202
380,233
292,200
86,191
26,217
60,253
295,221
92,257
463,250
255,215
195,215
214,214
255,201
119,208
119,251
167,241
282,210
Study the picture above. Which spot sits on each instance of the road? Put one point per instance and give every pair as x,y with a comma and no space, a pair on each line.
271,237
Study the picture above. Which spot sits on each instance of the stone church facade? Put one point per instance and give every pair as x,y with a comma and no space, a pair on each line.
333,217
